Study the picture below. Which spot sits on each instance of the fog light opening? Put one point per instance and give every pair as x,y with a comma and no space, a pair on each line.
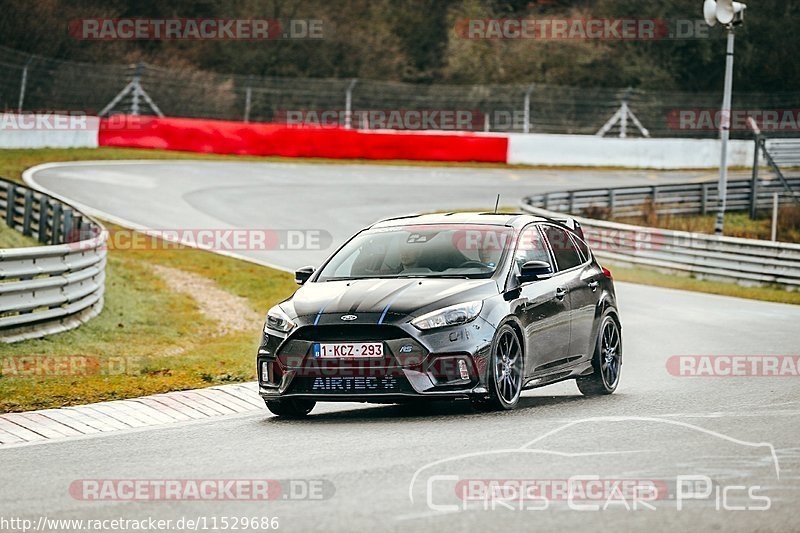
462,369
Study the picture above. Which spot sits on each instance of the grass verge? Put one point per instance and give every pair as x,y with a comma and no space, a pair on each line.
11,238
737,224
148,339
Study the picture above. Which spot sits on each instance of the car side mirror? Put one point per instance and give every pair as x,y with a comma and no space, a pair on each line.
533,270
302,274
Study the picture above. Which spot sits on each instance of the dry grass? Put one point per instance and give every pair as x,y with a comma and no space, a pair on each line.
737,224
168,337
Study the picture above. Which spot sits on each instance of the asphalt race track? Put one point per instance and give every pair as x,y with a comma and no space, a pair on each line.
393,468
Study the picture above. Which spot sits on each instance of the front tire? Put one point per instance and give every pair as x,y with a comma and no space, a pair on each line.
607,360
505,372
290,407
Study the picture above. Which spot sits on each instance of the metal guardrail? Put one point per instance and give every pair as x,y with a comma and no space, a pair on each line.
746,261
52,288
683,198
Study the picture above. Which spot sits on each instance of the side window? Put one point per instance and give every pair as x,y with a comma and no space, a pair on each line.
530,247
563,248
582,247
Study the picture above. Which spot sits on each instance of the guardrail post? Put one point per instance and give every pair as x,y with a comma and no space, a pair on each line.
612,201
11,200
704,200
44,207
654,198
572,202
56,223
754,179
26,216
67,225
547,201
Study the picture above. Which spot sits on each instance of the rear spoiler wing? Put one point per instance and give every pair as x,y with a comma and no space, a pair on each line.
572,224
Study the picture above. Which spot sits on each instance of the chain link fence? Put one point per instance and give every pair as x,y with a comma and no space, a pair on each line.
34,83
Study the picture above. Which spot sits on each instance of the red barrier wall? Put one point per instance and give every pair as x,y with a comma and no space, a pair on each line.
228,137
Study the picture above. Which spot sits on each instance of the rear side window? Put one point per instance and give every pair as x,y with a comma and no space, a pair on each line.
582,247
567,255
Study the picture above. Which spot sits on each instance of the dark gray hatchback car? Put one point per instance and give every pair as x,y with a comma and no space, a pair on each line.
475,305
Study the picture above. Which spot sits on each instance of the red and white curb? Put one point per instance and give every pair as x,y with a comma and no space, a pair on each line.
120,415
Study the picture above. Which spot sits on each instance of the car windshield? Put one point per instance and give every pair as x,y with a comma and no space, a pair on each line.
445,250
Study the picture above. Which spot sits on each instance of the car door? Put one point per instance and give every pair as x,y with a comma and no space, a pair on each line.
581,278
545,307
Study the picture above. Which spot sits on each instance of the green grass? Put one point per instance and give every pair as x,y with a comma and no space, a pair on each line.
164,340
11,238
737,224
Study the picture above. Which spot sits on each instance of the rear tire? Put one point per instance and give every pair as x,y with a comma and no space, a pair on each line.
607,360
290,407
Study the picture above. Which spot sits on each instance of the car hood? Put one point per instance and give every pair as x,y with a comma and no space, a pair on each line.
406,296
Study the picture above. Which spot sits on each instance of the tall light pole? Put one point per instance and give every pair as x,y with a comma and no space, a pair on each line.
730,14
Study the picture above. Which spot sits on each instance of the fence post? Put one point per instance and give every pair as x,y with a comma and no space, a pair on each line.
247,95
137,78
754,180
774,229
526,127
23,84
348,104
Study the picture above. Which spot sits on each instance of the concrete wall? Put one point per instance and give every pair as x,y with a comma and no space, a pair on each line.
47,130
589,150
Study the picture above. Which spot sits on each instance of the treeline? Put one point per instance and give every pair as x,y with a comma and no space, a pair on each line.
420,41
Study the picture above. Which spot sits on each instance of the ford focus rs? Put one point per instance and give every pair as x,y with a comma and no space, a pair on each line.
457,305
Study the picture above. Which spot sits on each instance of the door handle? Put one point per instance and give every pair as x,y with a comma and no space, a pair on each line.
561,292
593,285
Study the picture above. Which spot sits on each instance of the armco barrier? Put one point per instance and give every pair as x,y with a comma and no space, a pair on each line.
672,199
52,288
746,261
229,137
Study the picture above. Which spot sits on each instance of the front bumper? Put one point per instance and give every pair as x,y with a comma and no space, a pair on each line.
415,364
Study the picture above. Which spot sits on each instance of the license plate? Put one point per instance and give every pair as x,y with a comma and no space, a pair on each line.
347,350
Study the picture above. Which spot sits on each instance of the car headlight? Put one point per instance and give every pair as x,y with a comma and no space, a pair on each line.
278,320
449,316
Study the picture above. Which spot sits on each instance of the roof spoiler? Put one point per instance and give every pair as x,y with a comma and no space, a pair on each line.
572,224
